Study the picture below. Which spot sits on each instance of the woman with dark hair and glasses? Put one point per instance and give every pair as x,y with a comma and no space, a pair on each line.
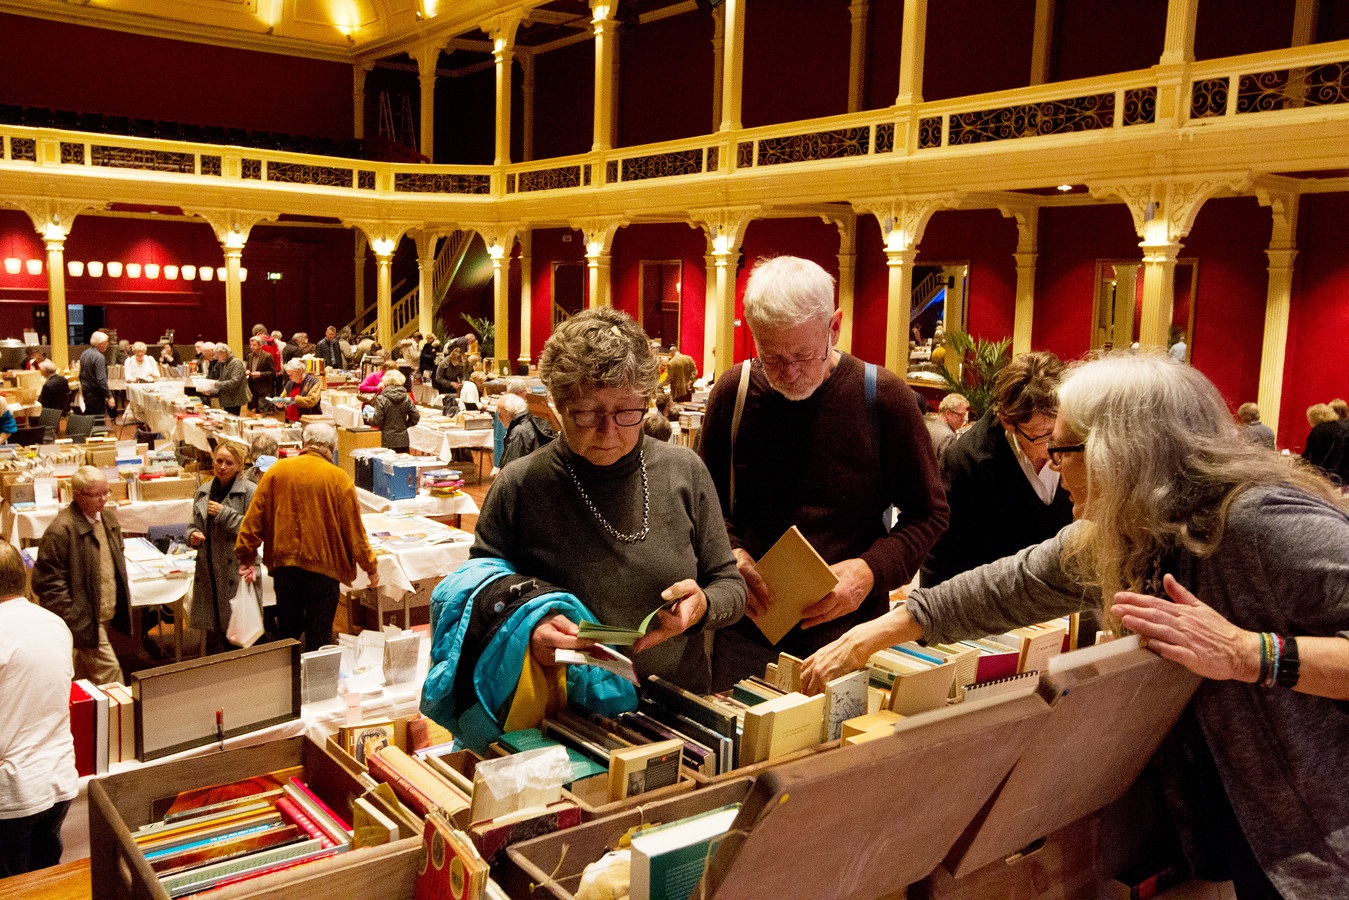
1231,561
1002,492
626,523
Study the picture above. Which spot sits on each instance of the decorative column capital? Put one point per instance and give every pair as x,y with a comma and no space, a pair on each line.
231,226
904,219
498,237
52,218
1164,211
725,228
427,58
599,235
425,239
382,235
602,15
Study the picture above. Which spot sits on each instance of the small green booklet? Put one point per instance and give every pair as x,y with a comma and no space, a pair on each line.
621,637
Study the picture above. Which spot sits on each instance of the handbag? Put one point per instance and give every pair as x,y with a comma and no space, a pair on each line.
245,615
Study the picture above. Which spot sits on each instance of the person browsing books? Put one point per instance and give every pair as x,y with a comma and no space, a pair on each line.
261,375
823,442
37,753
1227,559
625,523
218,509
394,411
304,390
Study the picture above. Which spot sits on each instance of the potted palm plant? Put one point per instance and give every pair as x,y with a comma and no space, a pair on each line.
980,361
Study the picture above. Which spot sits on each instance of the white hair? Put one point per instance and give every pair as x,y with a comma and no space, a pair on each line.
787,291
139,347
320,434
510,406
294,365
207,347
394,378
98,337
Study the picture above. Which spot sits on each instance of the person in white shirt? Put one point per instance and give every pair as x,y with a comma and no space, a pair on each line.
37,753
138,367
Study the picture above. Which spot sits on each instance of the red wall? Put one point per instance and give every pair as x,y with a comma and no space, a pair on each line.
796,60
1318,329
663,242
92,70
548,247
975,46
986,240
1100,37
1071,240
870,293
564,101
1229,238
1233,27
665,80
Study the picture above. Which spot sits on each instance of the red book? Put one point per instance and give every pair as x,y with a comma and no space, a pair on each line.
493,836
83,720
304,789
409,793
279,867
292,813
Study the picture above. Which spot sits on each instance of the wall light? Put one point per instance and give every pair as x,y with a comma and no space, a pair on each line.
75,268
13,265
207,273
243,274
95,269
171,273
114,269
220,273
189,273
152,270
133,270
34,267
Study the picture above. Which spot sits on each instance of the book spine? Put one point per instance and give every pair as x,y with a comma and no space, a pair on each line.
278,867
314,798
296,816
408,792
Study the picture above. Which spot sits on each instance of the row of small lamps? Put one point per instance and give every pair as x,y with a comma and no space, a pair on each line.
114,269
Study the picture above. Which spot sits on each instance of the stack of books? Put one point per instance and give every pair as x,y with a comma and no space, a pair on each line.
226,834
443,482
103,725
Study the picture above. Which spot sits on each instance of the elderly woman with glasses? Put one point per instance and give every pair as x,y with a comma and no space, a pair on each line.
1002,491
626,523
1229,560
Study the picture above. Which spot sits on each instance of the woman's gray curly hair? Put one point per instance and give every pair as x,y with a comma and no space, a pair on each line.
596,349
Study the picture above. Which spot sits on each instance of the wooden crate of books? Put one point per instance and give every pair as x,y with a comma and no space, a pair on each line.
121,804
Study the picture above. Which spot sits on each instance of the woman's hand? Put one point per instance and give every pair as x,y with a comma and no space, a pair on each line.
248,573
552,634
213,508
851,651
686,604
195,539
1191,633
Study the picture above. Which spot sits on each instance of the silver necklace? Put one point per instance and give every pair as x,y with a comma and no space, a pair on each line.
646,504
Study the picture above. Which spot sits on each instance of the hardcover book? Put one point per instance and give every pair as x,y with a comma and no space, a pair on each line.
636,770
453,870
669,860
493,836
797,577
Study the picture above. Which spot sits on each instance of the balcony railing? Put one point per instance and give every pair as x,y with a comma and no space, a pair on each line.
1276,83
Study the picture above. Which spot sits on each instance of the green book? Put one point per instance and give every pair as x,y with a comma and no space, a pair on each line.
669,860
582,766
612,634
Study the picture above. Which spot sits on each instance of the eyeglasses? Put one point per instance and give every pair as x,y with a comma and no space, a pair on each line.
593,418
1056,453
103,493
1033,440
782,363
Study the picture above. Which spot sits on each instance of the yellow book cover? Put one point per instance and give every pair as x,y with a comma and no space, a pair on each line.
797,723
797,576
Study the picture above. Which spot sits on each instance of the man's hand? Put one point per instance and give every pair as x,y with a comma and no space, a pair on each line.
855,581
552,634
690,605
758,598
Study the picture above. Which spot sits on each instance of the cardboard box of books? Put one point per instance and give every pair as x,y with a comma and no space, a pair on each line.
168,488
278,819
827,824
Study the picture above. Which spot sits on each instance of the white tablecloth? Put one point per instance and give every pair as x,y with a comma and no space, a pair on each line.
400,566
439,440
421,505
135,517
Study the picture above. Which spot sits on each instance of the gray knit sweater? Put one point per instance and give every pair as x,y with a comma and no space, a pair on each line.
534,517
1282,566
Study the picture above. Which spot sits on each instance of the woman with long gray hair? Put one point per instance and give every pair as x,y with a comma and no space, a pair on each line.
1229,560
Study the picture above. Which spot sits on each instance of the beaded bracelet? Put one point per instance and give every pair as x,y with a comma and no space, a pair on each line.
1265,663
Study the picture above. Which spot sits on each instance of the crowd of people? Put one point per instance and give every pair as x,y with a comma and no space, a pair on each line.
1120,488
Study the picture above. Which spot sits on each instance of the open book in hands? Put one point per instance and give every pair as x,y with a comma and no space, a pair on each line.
612,634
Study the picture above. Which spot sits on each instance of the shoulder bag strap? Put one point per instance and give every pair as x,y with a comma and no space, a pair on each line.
742,391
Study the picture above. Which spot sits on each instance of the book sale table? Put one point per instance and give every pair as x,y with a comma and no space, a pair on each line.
135,517
457,504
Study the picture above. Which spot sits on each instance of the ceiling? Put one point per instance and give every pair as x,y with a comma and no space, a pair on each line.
345,30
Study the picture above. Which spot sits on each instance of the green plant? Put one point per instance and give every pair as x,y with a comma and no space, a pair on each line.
980,363
486,331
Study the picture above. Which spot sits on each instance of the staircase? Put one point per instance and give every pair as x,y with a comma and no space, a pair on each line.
407,306
927,292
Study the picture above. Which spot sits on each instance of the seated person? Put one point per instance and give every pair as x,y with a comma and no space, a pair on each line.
471,393
304,389
168,355
139,368
55,392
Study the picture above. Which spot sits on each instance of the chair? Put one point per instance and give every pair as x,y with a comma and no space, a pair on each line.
79,427
50,419
27,437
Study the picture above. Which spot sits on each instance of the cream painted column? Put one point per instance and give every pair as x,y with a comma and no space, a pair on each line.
526,240
234,304
1159,285
1172,71
428,59
902,223
502,34
500,240
1042,42
426,275
718,62
733,64
1304,33
602,22
358,73
1181,19
526,104
1126,289
1282,254
359,263
59,333
857,54
725,230
383,248
711,311
1026,254
847,278
599,238
911,46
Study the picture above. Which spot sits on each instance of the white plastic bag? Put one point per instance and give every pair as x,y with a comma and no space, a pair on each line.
245,615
